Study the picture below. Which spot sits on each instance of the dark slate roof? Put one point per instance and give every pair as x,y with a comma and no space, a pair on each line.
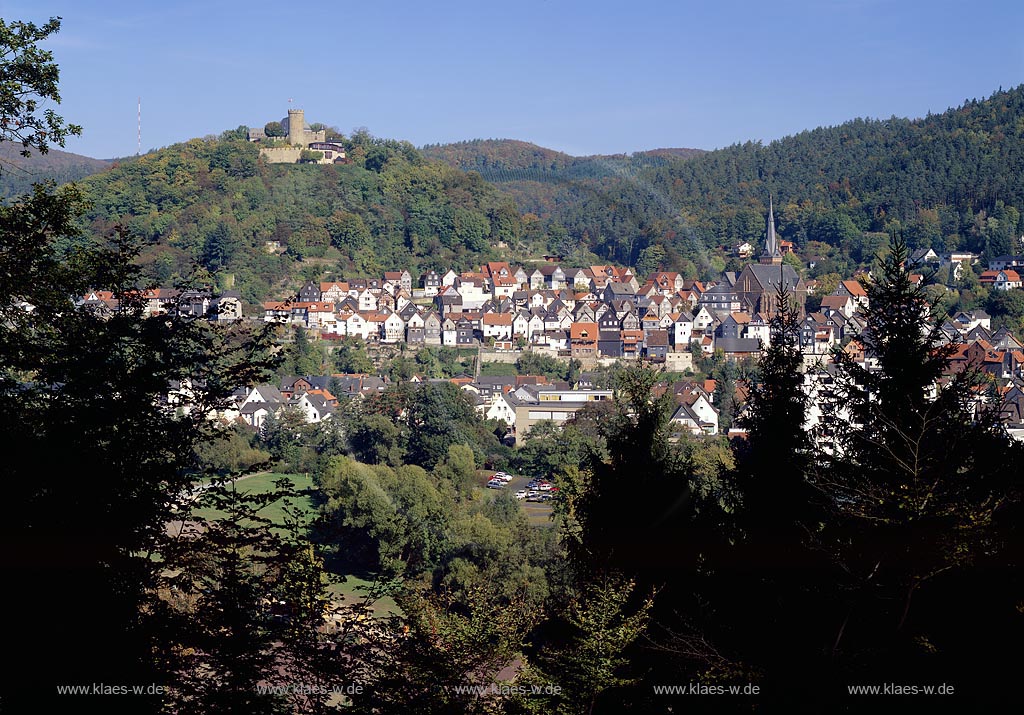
738,345
768,276
620,288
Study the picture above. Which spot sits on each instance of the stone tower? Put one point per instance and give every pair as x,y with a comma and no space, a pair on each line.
296,127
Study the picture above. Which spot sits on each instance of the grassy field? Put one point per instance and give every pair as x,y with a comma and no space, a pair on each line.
355,587
354,590
264,482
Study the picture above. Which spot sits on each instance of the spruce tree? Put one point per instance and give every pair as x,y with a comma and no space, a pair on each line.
919,472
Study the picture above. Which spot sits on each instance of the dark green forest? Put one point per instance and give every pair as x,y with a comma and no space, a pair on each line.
950,181
216,204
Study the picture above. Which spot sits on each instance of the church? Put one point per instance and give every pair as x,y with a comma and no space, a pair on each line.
757,285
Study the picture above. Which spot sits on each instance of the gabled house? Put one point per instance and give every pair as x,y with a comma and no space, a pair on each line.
855,290
226,307
554,277
576,278
844,304
375,325
497,326
309,293
686,418
585,313
759,328
431,283
583,338
449,332
521,325
432,328
160,301
656,345
367,300
357,326
733,326
333,291
414,328
682,330
194,303
448,300
464,333
320,316
667,283
702,320
398,280
536,324
536,279
617,291
313,406
277,312
632,343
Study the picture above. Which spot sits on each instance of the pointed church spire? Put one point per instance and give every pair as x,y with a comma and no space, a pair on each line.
772,254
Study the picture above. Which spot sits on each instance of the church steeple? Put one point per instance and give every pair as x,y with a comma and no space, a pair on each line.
771,255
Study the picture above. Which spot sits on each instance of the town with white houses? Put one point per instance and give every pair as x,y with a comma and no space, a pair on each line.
597,315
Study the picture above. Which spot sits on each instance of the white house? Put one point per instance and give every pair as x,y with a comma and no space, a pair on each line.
1007,280
394,329
367,300
499,409
497,325
449,333
473,293
703,319
682,330
357,326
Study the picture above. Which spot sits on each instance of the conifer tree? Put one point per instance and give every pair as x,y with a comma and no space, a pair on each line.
915,463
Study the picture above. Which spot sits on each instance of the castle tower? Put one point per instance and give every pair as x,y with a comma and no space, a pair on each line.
771,255
296,127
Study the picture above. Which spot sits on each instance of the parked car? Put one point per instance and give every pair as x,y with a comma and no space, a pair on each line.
496,484
522,494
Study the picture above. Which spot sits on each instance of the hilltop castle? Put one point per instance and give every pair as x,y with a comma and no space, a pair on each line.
300,136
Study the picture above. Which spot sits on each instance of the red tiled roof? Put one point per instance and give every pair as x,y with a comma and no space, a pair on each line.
855,289
583,331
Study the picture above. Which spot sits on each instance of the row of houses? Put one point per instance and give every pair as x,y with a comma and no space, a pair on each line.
193,303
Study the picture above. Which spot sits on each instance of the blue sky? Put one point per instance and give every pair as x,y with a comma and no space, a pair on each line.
581,77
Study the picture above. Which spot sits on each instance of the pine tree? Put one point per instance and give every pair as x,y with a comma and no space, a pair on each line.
914,461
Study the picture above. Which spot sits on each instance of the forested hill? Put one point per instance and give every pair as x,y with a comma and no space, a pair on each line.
953,180
217,204
592,208
949,181
510,159
18,173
